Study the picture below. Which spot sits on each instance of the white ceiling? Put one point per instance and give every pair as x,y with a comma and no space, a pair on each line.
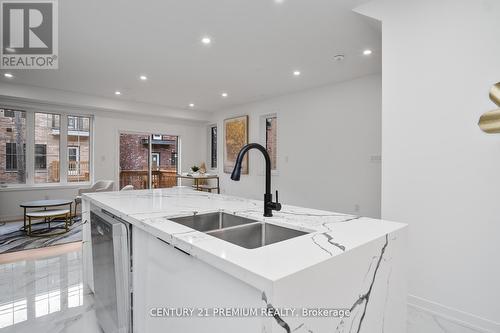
256,45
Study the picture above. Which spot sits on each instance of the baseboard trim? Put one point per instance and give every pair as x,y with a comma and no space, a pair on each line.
459,317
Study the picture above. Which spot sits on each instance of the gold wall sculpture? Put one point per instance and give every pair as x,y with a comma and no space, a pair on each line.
489,122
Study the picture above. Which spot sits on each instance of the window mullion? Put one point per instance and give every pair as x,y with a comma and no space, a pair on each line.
30,148
63,150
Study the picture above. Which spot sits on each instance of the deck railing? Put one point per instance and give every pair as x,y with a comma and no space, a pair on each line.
139,178
77,171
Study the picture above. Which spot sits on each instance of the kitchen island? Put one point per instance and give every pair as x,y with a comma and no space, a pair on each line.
308,271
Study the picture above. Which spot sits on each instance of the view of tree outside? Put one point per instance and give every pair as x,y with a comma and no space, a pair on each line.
12,146
271,139
213,147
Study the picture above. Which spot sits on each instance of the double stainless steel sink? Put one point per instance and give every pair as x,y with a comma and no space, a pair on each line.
238,230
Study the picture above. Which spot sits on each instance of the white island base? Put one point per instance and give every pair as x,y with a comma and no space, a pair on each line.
176,292
188,281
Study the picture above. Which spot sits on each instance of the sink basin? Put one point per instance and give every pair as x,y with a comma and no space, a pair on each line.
211,221
256,235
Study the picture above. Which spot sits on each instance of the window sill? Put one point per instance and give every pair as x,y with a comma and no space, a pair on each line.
24,187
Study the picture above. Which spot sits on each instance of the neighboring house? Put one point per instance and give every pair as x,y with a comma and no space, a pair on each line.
134,160
47,147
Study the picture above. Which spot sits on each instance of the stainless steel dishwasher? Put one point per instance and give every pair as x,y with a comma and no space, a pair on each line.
111,257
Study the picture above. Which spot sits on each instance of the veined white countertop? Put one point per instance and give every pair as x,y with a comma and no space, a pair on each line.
331,234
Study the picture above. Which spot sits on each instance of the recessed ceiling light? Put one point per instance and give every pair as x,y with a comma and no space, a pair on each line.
8,75
367,52
117,93
224,94
143,77
206,40
191,105
279,1
296,73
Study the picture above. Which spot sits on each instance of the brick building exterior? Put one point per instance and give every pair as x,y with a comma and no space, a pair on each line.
13,139
47,147
272,139
134,160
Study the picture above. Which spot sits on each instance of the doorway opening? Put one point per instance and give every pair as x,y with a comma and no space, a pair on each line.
148,160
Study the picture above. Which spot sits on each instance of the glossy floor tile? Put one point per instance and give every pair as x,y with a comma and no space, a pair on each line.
45,295
420,321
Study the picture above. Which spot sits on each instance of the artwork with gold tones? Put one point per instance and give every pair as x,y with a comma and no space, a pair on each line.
490,121
235,137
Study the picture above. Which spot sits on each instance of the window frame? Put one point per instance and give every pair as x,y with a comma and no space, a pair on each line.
30,109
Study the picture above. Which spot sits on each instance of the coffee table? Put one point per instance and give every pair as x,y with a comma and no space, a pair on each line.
43,204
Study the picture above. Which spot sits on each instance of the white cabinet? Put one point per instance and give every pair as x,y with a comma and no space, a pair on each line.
165,277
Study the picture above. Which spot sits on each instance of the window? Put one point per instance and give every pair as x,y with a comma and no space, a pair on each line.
155,161
11,156
72,123
43,143
40,157
271,139
73,161
55,121
76,123
8,113
213,147
47,145
78,149
173,158
12,146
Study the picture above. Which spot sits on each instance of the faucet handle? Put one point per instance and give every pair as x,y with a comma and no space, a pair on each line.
277,203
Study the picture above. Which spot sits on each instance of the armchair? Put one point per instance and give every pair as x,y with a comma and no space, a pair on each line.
99,186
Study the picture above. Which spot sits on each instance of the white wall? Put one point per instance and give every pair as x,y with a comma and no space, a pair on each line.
326,138
440,173
107,126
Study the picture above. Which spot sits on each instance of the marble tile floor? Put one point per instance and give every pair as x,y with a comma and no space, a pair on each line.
41,291
44,293
425,322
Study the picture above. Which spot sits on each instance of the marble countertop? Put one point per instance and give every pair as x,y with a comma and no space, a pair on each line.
331,234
